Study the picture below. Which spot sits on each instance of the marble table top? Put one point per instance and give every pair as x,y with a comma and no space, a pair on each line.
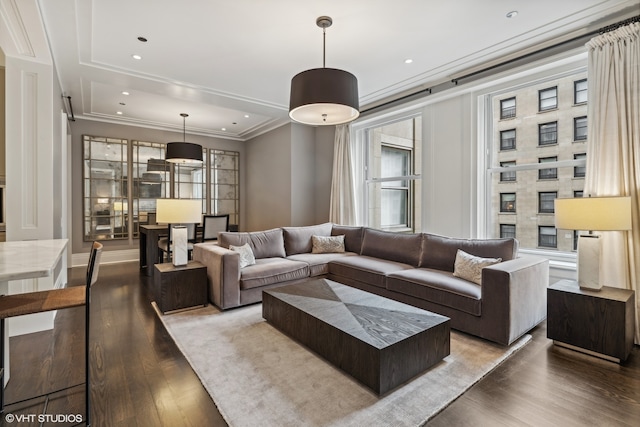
29,258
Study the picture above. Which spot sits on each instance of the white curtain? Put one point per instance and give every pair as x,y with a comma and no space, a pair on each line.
613,146
342,207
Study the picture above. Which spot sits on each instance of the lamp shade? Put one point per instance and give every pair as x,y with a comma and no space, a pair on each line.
324,96
157,165
178,211
183,152
593,213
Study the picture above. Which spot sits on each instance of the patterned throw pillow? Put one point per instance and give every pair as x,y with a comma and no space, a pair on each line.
469,267
327,244
246,254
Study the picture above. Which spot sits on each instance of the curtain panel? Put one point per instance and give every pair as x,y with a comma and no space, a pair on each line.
342,206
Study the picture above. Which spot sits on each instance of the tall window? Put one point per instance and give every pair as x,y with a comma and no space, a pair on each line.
548,133
507,230
507,202
548,99
580,128
580,91
548,173
509,176
546,200
547,237
508,108
579,171
396,162
508,139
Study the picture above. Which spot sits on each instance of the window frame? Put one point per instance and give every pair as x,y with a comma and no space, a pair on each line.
541,126
505,112
503,202
580,136
503,175
553,172
542,109
542,204
541,240
503,139
504,235
577,91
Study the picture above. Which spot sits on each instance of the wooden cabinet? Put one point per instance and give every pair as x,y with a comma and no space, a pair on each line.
598,323
176,288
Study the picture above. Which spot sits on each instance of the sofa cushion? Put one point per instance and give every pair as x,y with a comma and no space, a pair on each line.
264,244
327,244
439,252
319,263
352,237
267,271
403,248
469,267
297,240
246,254
439,287
366,269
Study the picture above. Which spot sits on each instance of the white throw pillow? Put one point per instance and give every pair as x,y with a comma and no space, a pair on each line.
327,244
246,254
469,267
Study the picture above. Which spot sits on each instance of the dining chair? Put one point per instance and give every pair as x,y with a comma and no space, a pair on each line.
164,244
54,299
212,225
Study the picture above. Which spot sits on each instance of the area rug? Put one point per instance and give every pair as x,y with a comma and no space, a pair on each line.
258,376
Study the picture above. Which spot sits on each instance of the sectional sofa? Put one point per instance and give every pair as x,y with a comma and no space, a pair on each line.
500,303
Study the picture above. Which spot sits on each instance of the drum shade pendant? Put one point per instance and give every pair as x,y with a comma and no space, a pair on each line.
183,152
324,96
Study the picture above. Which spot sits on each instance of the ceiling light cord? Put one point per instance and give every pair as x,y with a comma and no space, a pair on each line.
324,47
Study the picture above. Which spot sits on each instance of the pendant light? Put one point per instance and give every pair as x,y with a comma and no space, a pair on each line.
324,96
183,152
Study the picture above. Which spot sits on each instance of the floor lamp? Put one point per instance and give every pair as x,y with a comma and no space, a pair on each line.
593,214
177,213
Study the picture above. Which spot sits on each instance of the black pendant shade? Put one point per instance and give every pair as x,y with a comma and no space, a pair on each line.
183,152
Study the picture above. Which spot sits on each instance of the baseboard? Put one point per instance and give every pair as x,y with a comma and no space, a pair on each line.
108,257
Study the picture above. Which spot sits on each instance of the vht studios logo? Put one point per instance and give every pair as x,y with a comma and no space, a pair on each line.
43,418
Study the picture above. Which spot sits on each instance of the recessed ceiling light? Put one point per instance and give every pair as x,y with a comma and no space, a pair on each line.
119,113
246,116
125,92
512,14
408,61
136,56
142,39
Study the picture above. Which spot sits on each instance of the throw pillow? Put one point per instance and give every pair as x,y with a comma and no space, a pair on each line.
246,254
469,267
327,244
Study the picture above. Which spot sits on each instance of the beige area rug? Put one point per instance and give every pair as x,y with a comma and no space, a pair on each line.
257,376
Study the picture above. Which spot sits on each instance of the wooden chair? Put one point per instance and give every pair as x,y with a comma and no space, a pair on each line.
164,244
212,225
55,299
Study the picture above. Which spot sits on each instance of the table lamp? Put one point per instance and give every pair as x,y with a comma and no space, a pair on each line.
592,214
179,212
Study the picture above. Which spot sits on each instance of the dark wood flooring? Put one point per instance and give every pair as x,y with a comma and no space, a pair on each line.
140,378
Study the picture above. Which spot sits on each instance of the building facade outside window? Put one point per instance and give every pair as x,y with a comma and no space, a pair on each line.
580,91
580,128
507,231
508,139
548,133
509,176
548,173
508,108
579,171
548,99
547,237
546,200
507,202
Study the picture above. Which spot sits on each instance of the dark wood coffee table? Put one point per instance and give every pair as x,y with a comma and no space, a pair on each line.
380,342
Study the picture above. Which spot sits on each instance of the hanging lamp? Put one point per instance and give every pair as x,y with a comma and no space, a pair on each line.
183,152
324,96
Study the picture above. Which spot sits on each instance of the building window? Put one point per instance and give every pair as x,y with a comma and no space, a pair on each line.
580,128
580,91
396,162
547,237
548,133
548,99
508,108
508,139
548,173
546,201
508,231
507,202
578,193
509,176
579,171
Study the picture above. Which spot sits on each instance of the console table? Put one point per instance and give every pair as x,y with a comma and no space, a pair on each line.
599,323
149,236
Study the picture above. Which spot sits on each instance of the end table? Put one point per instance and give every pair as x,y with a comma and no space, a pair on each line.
176,288
599,323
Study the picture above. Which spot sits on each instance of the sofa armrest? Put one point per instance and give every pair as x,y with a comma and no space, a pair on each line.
514,296
223,273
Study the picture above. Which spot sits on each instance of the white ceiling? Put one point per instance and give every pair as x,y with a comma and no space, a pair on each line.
228,64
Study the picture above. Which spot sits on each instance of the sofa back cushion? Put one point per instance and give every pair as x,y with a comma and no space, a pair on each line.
297,240
399,247
439,252
264,244
352,237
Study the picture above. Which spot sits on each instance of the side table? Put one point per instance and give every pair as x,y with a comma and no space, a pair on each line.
597,323
176,288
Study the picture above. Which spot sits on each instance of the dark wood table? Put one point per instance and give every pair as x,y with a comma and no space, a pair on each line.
177,288
149,236
380,342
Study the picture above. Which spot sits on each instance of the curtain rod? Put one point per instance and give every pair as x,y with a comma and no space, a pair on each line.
72,118
454,82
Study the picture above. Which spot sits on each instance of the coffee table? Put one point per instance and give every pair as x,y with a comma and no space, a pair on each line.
380,342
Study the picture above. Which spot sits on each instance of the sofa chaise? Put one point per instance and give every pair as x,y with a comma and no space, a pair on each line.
499,302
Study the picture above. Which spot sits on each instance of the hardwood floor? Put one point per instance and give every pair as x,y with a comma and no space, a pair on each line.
140,378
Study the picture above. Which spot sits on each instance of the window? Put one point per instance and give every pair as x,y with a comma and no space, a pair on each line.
580,91
546,201
507,202
507,176
508,108
548,99
578,193
548,133
548,173
547,237
507,230
395,194
580,128
508,139
579,171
